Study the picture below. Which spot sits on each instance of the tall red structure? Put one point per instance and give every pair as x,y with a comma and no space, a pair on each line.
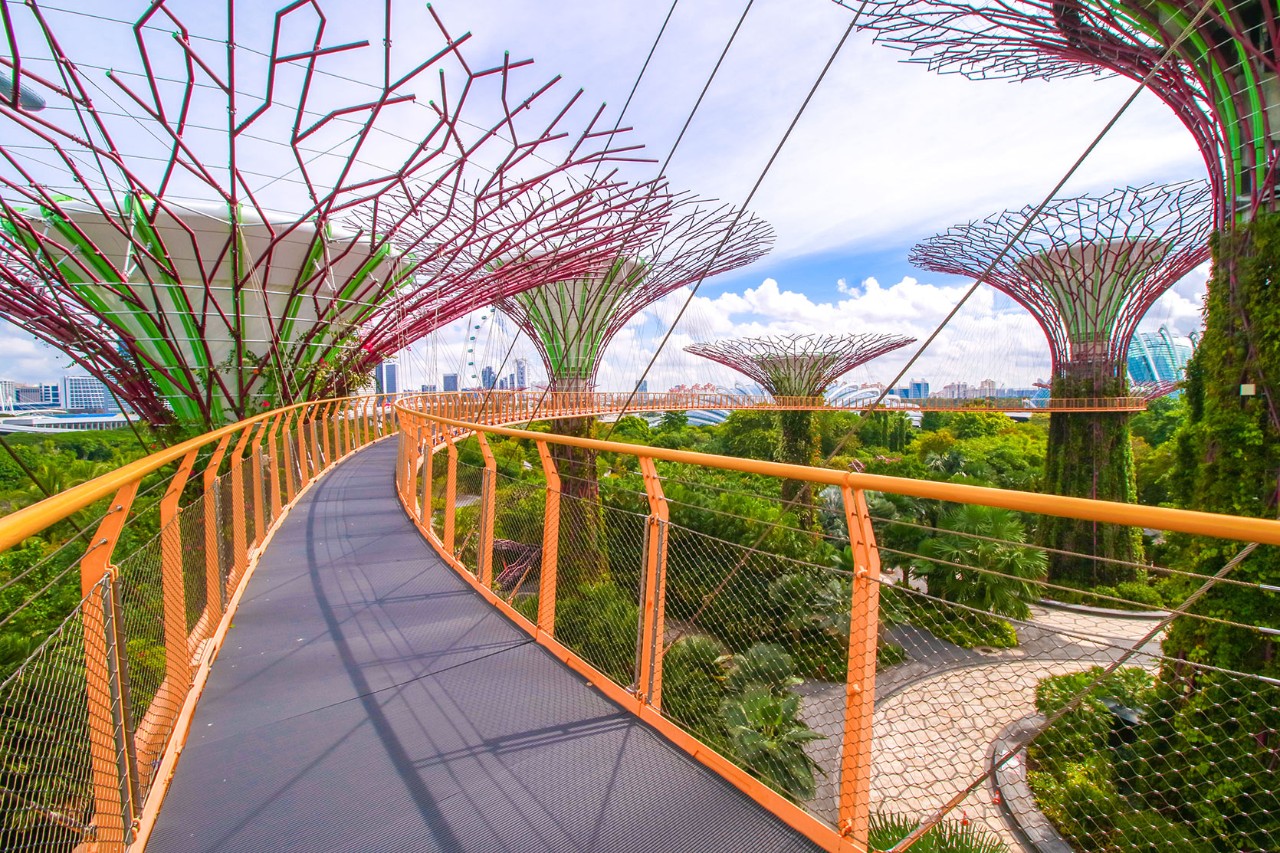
799,366
1222,78
211,226
1087,269
671,241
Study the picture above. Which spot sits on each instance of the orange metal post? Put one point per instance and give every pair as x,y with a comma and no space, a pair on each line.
860,690
550,543
450,490
344,426
114,767
259,490
239,534
273,459
325,422
290,451
213,570
304,455
177,665
428,457
653,612
488,505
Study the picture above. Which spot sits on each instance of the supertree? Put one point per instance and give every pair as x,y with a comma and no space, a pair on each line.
572,319
1222,79
798,368
1087,269
201,225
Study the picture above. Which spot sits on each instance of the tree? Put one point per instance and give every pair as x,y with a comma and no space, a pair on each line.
994,576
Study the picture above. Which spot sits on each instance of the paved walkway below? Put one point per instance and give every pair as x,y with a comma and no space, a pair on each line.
367,699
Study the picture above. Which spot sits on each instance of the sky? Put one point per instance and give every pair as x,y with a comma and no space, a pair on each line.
885,154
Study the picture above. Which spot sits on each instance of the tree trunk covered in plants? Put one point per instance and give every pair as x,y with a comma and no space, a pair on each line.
1229,448
584,552
797,445
1089,456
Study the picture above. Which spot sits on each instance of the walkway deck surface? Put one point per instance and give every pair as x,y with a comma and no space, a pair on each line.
367,699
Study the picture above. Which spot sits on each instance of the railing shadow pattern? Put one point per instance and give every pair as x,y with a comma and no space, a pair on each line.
840,674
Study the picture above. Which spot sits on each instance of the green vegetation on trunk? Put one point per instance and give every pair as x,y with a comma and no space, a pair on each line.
1089,456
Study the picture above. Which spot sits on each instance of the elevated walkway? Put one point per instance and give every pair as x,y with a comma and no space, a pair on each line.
368,699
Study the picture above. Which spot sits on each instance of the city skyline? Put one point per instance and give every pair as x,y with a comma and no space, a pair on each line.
842,242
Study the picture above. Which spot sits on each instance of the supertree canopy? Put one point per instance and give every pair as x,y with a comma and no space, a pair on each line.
202,225
670,242
800,367
1222,79
680,241
1087,269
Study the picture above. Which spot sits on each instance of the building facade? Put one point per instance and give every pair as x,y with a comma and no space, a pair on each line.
1159,356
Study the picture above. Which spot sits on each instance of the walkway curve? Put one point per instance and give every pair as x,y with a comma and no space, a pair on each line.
367,699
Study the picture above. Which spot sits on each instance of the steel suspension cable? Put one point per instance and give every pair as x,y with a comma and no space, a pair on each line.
741,212
1164,58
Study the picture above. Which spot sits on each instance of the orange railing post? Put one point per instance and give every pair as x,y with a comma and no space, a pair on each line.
288,452
653,608
111,750
273,461
239,523
488,506
450,490
214,590
428,456
259,489
325,429
177,663
304,464
860,687
550,543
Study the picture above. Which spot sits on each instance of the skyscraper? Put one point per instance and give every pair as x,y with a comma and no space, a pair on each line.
488,377
450,382
1158,357
385,378
522,379
84,393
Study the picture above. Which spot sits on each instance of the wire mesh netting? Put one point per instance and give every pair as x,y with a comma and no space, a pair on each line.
152,704
597,609
47,795
519,509
1011,700
466,519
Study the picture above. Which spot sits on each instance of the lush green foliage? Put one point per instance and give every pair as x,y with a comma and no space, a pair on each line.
950,836
600,623
1090,456
993,576
1088,770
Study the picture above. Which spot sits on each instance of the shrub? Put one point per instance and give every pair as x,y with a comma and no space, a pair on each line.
766,665
947,837
692,687
767,738
600,623
1081,800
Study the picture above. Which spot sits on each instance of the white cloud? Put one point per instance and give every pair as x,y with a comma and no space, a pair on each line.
886,154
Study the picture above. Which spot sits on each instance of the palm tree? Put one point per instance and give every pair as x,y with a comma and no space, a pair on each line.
995,573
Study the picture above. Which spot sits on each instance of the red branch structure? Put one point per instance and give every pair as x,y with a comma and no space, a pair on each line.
676,241
143,223
1086,268
799,365
1222,80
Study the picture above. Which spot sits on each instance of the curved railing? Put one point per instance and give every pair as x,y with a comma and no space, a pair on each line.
92,724
554,404
477,518
94,717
